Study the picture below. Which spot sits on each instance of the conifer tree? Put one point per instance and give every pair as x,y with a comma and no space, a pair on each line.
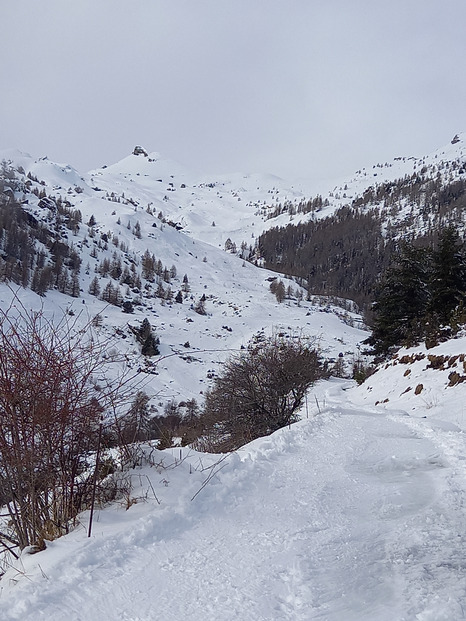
280,292
148,340
185,286
421,294
94,286
448,282
402,299
74,290
148,266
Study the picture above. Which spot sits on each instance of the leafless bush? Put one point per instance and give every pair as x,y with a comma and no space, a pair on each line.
259,392
52,398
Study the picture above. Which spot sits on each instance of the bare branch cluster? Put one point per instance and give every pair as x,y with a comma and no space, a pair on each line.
259,391
53,394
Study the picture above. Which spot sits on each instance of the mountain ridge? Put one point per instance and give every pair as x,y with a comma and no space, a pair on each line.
92,234
206,228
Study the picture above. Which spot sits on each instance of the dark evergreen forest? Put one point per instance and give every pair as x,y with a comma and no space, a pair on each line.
421,295
346,253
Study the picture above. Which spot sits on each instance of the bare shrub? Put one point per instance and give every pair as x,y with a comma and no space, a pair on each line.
259,391
52,398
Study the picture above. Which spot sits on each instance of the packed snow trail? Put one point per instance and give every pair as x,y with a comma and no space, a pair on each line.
351,515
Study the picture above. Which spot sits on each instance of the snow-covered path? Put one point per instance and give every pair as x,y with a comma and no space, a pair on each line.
349,515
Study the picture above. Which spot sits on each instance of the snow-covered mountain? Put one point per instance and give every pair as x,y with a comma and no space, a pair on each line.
234,203
341,242
199,230
146,204
448,163
355,513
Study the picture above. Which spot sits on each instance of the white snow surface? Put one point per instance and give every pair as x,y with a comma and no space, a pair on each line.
354,513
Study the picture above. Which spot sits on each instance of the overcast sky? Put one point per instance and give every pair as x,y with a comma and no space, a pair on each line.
298,88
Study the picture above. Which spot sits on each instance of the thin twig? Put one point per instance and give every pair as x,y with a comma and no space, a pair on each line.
152,488
211,474
318,406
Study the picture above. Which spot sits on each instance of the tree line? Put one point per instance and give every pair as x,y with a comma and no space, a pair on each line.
344,254
338,255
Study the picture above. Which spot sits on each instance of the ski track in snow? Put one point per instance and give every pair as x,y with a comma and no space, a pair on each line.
351,515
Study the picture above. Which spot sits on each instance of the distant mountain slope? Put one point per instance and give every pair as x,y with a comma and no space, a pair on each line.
141,233
343,247
100,245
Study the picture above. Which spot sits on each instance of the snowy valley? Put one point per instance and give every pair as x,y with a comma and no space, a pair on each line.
356,512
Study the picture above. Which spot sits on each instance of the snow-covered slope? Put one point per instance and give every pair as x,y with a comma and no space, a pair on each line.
214,208
243,204
448,162
154,194
211,209
355,513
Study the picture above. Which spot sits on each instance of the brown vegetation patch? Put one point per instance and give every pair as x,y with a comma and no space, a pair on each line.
455,378
443,362
437,362
412,358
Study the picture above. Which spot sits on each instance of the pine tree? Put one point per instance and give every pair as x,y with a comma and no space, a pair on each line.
402,300
160,291
111,294
126,277
115,267
448,282
148,266
280,292
94,287
42,280
74,285
104,267
199,307
149,342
